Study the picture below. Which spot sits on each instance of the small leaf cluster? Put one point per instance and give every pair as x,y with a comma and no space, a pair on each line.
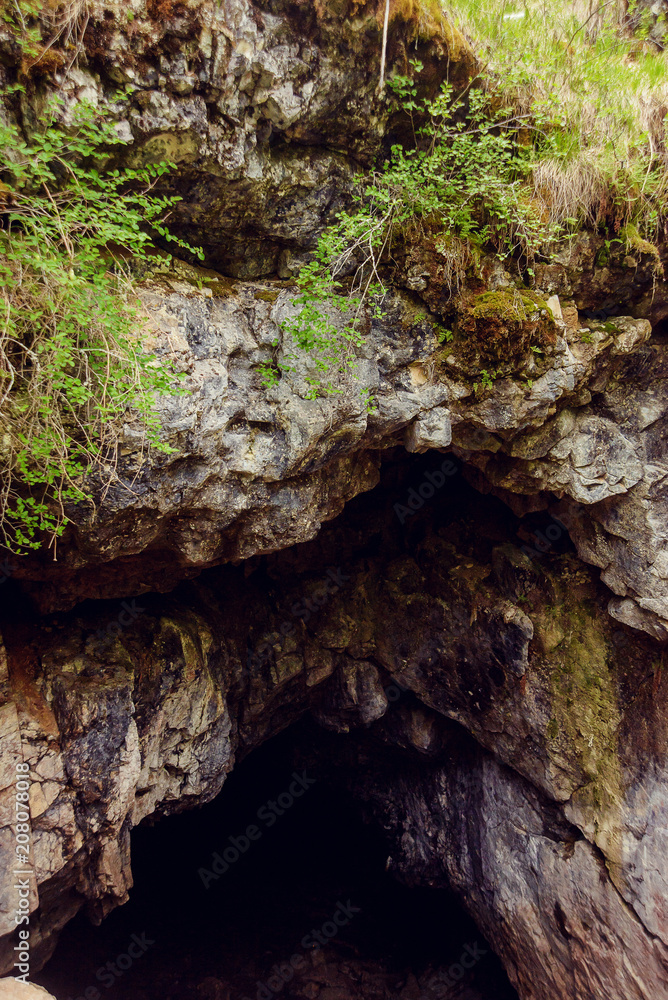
73,365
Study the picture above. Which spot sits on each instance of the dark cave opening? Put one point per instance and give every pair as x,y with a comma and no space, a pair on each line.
412,498
660,331
227,895
221,935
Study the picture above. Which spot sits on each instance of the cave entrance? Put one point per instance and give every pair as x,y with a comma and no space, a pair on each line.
276,890
660,332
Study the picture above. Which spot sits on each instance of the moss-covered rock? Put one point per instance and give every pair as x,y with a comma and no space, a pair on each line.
636,244
502,326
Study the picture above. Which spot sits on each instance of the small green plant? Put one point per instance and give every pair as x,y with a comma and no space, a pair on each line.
72,362
443,335
370,403
326,328
554,134
270,374
463,181
42,30
487,379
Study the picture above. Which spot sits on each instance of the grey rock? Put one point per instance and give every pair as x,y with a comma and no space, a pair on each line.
541,720
434,430
256,470
544,802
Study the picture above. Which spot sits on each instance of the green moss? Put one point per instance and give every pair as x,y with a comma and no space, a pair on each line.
602,257
509,306
425,21
413,310
267,295
634,241
585,715
221,288
500,329
165,269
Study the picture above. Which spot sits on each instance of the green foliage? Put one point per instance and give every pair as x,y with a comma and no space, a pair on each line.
465,173
487,379
564,127
314,331
443,335
72,361
463,179
39,29
329,324
21,17
594,93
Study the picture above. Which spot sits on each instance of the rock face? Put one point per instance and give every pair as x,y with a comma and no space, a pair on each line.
266,109
531,730
607,461
532,881
15,989
442,616
256,470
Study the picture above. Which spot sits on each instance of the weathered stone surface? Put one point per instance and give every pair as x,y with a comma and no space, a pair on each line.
255,470
267,108
609,456
536,887
535,724
15,989
549,817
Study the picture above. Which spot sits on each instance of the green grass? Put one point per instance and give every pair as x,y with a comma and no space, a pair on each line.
595,95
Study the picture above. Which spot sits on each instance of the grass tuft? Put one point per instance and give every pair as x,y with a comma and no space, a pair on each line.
594,90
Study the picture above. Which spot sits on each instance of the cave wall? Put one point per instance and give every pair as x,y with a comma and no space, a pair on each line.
535,725
162,645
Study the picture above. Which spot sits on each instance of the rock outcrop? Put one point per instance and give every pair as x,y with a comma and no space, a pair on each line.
256,470
531,728
519,692
266,109
16,989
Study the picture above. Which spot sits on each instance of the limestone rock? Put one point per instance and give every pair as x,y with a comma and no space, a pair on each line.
543,720
267,109
16,989
532,884
267,112
530,726
256,470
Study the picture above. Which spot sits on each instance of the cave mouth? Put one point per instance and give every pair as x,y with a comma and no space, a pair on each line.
276,889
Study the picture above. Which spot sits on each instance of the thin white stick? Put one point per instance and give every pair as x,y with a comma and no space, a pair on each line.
384,52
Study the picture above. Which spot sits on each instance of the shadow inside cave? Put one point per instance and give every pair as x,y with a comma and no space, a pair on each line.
201,927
